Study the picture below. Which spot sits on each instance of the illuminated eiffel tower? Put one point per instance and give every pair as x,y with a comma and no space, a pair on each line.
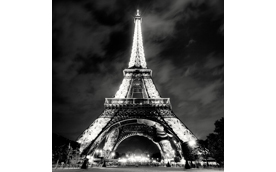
136,110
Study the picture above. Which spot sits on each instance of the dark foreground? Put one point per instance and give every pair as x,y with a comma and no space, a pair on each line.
134,169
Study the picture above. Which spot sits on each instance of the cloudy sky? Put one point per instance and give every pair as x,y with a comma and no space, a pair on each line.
183,43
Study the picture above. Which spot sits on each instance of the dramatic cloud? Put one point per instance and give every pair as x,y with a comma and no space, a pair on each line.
184,46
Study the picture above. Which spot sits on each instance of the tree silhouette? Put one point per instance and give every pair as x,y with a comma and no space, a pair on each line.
177,159
215,142
202,149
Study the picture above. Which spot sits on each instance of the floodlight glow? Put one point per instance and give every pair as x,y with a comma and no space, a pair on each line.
192,143
112,154
182,161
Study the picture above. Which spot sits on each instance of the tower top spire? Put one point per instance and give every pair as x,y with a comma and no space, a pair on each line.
137,13
137,58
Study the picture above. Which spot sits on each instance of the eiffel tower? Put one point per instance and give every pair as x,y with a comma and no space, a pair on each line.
136,110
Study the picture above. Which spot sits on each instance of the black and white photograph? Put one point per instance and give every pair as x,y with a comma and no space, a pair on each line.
138,84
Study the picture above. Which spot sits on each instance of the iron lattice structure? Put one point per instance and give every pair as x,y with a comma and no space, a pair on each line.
136,109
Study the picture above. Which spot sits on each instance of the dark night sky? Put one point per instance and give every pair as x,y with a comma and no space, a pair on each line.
183,43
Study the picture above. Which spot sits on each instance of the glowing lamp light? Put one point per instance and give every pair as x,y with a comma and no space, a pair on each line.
112,154
192,143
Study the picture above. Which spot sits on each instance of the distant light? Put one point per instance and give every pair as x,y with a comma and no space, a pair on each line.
192,143
122,160
112,154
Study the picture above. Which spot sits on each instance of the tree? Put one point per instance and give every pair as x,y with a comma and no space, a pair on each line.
177,159
64,150
215,142
202,149
60,153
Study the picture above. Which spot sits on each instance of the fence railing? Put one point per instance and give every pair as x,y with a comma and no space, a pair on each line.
134,101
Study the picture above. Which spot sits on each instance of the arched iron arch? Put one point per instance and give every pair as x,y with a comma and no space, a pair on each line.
129,121
110,129
138,134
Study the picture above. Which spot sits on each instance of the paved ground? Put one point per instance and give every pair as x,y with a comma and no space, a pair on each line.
134,169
